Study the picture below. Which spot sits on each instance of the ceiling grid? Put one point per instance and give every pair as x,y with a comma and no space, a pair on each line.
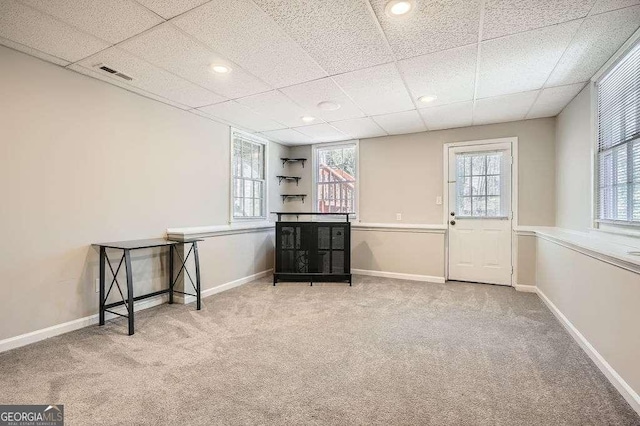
474,61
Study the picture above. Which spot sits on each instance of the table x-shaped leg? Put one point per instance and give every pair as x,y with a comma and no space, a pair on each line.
172,281
104,295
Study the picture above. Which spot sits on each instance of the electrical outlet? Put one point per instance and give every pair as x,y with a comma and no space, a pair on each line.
97,285
439,200
398,216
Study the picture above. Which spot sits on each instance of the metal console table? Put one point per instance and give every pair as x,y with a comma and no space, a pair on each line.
127,247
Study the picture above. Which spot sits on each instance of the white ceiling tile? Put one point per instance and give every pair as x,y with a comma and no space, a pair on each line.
401,122
278,107
113,20
376,90
449,75
233,112
309,95
552,100
322,133
151,78
602,6
242,32
341,35
433,26
359,128
170,48
448,116
33,52
34,29
503,108
504,17
170,8
288,136
597,40
122,83
522,62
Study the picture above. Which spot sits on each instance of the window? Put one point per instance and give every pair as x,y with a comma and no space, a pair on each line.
479,192
336,178
248,170
618,138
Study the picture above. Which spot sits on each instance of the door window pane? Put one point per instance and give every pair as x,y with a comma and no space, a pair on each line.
478,184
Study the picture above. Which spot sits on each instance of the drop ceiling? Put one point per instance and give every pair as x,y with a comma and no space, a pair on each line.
485,61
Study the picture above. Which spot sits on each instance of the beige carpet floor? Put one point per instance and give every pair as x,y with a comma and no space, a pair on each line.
383,352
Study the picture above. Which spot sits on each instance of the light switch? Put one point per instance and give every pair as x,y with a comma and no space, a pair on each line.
439,200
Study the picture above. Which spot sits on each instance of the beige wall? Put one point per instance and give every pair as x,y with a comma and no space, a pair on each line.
573,158
403,252
86,162
404,174
525,260
599,299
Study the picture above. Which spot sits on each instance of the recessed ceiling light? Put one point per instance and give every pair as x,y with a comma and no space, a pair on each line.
220,69
308,119
328,106
397,8
428,98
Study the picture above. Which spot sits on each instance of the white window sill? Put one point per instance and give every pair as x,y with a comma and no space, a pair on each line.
182,234
594,244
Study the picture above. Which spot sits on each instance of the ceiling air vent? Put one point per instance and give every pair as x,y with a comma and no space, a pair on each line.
114,72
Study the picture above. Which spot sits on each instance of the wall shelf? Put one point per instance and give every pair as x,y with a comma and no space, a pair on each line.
289,179
293,160
285,197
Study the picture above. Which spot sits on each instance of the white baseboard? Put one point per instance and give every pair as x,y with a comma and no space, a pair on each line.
222,287
58,329
398,275
618,382
526,288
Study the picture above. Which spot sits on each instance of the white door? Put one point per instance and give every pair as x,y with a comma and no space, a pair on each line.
480,213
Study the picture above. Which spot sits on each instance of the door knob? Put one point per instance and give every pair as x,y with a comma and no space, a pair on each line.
453,222
453,213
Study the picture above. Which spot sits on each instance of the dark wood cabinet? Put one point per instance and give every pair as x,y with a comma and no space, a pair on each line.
313,251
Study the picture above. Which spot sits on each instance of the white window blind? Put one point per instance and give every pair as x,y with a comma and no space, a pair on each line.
618,161
249,184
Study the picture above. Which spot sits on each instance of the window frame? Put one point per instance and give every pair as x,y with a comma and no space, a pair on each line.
265,196
627,228
314,177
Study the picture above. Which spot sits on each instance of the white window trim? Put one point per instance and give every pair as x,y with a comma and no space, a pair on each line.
314,177
265,201
628,229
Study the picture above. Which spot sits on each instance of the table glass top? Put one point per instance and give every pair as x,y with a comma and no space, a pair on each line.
140,244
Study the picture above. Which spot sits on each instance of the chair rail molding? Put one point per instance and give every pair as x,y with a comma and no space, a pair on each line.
400,227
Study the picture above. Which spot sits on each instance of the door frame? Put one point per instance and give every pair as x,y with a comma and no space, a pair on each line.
514,196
